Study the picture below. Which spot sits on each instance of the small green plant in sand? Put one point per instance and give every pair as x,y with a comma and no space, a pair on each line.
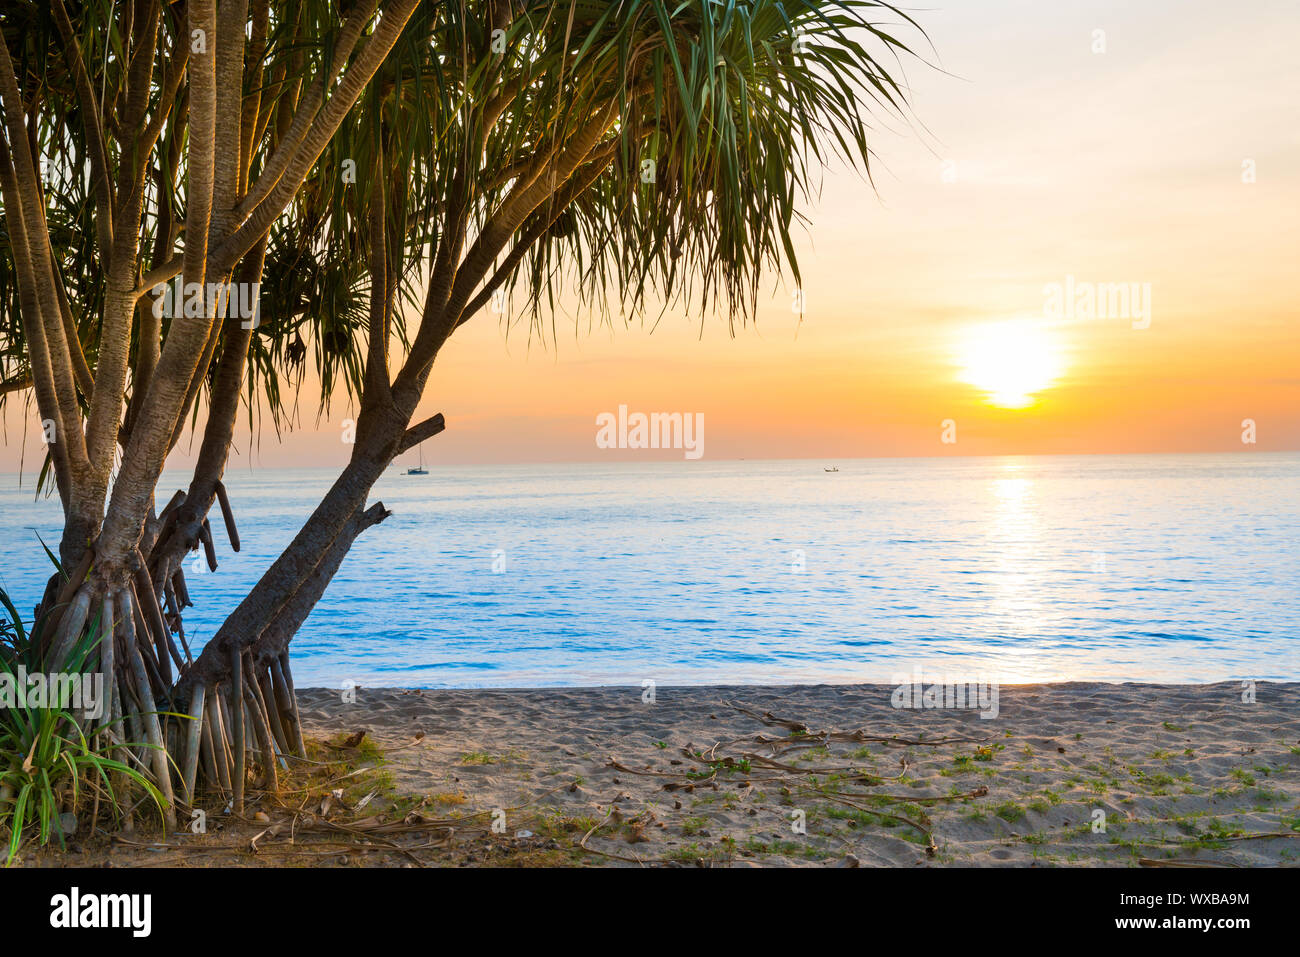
1009,812
357,771
558,825
362,748
755,846
1265,798
694,854
722,767
486,757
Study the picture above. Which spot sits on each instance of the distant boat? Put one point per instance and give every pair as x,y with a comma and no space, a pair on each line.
833,468
419,469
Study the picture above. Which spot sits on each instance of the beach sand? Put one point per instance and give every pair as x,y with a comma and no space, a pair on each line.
834,776
1065,774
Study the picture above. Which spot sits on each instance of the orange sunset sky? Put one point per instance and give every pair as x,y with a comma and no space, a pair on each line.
1029,158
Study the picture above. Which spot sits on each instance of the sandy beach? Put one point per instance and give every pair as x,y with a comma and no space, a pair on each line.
1079,774
1068,774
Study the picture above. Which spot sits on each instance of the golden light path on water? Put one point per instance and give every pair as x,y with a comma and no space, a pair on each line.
1014,529
1013,533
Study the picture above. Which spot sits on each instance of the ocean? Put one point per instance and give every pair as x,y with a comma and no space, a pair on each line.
1166,568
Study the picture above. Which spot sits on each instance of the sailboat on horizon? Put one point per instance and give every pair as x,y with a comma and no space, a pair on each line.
419,469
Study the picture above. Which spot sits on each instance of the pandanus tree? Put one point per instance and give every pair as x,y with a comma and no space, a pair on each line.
376,175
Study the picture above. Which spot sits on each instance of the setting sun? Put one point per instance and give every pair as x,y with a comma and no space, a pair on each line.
1011,362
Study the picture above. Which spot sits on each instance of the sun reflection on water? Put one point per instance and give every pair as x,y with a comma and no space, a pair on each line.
1013,530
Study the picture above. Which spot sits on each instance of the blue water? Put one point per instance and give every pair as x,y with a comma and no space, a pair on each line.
1151,568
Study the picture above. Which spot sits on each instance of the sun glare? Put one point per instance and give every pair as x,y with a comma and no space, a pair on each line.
1011,362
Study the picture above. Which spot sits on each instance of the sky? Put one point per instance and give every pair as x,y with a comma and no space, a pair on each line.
1160,154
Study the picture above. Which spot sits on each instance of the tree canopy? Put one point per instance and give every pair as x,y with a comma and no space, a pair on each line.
361,180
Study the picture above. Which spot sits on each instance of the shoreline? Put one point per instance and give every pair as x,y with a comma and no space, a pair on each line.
778,686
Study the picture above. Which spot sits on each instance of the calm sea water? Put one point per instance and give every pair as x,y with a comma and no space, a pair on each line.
1154,568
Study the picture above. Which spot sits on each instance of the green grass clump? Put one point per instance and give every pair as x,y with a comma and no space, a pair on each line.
51,761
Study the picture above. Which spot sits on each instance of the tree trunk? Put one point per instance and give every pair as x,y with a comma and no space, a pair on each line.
308,563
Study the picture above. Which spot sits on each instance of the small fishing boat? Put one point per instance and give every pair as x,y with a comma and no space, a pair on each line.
833,468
